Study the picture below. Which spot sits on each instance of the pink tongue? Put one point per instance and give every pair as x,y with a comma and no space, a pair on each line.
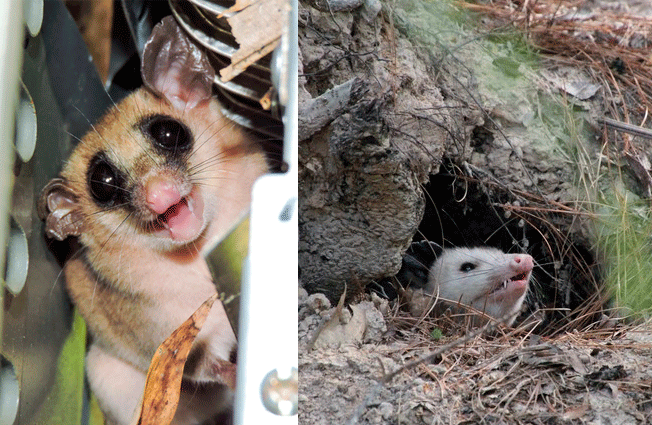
183,223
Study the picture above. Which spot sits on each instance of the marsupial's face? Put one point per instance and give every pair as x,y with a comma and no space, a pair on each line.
149,172
486,279
161,165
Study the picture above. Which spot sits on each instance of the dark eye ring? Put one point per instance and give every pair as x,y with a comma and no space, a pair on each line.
104,181
168,134
467,267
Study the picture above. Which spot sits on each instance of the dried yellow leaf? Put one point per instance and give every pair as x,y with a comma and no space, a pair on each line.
163,384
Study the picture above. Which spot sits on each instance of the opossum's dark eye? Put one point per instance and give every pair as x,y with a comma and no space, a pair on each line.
104,181
168,134
467,267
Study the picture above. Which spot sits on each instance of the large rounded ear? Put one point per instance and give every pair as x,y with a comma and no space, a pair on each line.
426,251
175,68
416,264
58,207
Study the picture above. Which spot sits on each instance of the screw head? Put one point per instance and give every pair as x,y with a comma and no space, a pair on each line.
280,392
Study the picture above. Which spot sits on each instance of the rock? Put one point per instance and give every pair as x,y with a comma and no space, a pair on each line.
361,175
356,324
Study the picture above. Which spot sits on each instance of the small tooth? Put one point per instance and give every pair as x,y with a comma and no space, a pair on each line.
165,224
191,204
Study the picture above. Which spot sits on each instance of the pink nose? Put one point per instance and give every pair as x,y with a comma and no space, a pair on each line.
524,261
161,194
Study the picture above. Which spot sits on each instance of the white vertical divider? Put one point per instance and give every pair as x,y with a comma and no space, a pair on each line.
268,337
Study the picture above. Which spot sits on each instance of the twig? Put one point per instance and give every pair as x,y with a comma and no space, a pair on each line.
316,113
337,314
627,128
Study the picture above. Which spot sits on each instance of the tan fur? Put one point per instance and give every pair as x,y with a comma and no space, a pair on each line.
132,289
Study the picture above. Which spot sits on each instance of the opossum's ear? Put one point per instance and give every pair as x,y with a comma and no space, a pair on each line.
59,208
175,68
425,251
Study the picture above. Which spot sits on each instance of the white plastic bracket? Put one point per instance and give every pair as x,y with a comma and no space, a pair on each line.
267,377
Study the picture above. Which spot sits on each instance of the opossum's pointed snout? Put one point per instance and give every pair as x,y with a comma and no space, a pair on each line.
522,263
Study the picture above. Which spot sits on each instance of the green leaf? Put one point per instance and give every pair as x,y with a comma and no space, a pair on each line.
63,403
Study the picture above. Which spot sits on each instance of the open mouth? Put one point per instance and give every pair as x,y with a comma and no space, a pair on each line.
182,221
517,283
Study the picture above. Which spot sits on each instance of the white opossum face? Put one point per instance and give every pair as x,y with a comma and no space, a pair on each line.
486,279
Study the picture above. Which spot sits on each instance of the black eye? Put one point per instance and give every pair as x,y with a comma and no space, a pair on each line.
467,267
104,181
168,134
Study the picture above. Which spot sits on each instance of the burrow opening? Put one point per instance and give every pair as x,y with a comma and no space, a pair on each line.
565,291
